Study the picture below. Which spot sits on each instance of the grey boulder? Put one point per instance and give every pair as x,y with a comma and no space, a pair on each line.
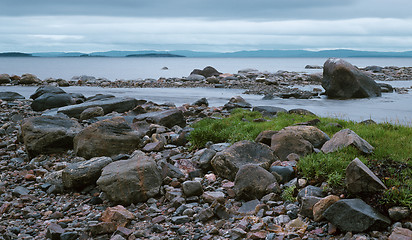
345,138
354,215
227,163
360,179
252,181
48,134
10,96
82,174
131,181
167,118
342,80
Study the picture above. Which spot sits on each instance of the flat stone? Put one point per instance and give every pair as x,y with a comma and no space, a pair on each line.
118,215
249,207
322,205
210,197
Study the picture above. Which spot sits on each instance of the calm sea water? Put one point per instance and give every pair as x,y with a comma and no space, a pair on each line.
391,107
135,68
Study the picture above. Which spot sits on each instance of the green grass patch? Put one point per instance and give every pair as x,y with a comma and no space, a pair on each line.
391,160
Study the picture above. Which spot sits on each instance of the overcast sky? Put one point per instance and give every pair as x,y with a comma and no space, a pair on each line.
204,25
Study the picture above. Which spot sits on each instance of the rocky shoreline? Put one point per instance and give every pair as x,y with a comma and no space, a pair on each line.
120,168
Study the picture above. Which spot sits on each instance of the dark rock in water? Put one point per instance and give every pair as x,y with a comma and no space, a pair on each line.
206,72
168,118
251,182
131,181
265,137
28,79
300,111
374,69
269,110
106,138
201,102
386,88
46,89
48,134
360,179
313,67
354,215
119,105
10,96
237,102
5,78
227,163
82,174
52,100
345,138
342,80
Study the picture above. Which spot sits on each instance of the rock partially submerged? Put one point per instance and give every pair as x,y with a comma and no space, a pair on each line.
342,80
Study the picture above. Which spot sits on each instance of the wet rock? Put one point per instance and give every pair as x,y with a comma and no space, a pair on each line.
322,205
206,72
168,118
109,105
269,110
345,138
192,188
400,234
118,215
10,96
201,102
91,113
360,179
313,67
131,181
5,78
310,191
48,134
227,163
82,174
342,80
300,111
386,88
398,213
373,68
251,182
265,137
106,138
354,215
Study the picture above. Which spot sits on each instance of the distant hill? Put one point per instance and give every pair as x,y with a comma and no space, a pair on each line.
340,53
154,55
15,54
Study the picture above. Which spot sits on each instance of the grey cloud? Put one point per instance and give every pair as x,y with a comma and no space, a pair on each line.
219,9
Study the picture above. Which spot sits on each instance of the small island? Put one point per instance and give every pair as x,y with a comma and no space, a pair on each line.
155,55
15,54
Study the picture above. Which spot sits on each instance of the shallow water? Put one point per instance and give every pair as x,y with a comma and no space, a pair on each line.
391,107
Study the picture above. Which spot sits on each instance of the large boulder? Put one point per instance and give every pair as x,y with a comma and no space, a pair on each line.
354,215
106,138
206,72
312,134
167,118
10,96
252,181
109,105
48,134
4,78
130,181
52,100
82,174
342,80
345,138
29,79
46,89
360,179
237,102
227,163
285,142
